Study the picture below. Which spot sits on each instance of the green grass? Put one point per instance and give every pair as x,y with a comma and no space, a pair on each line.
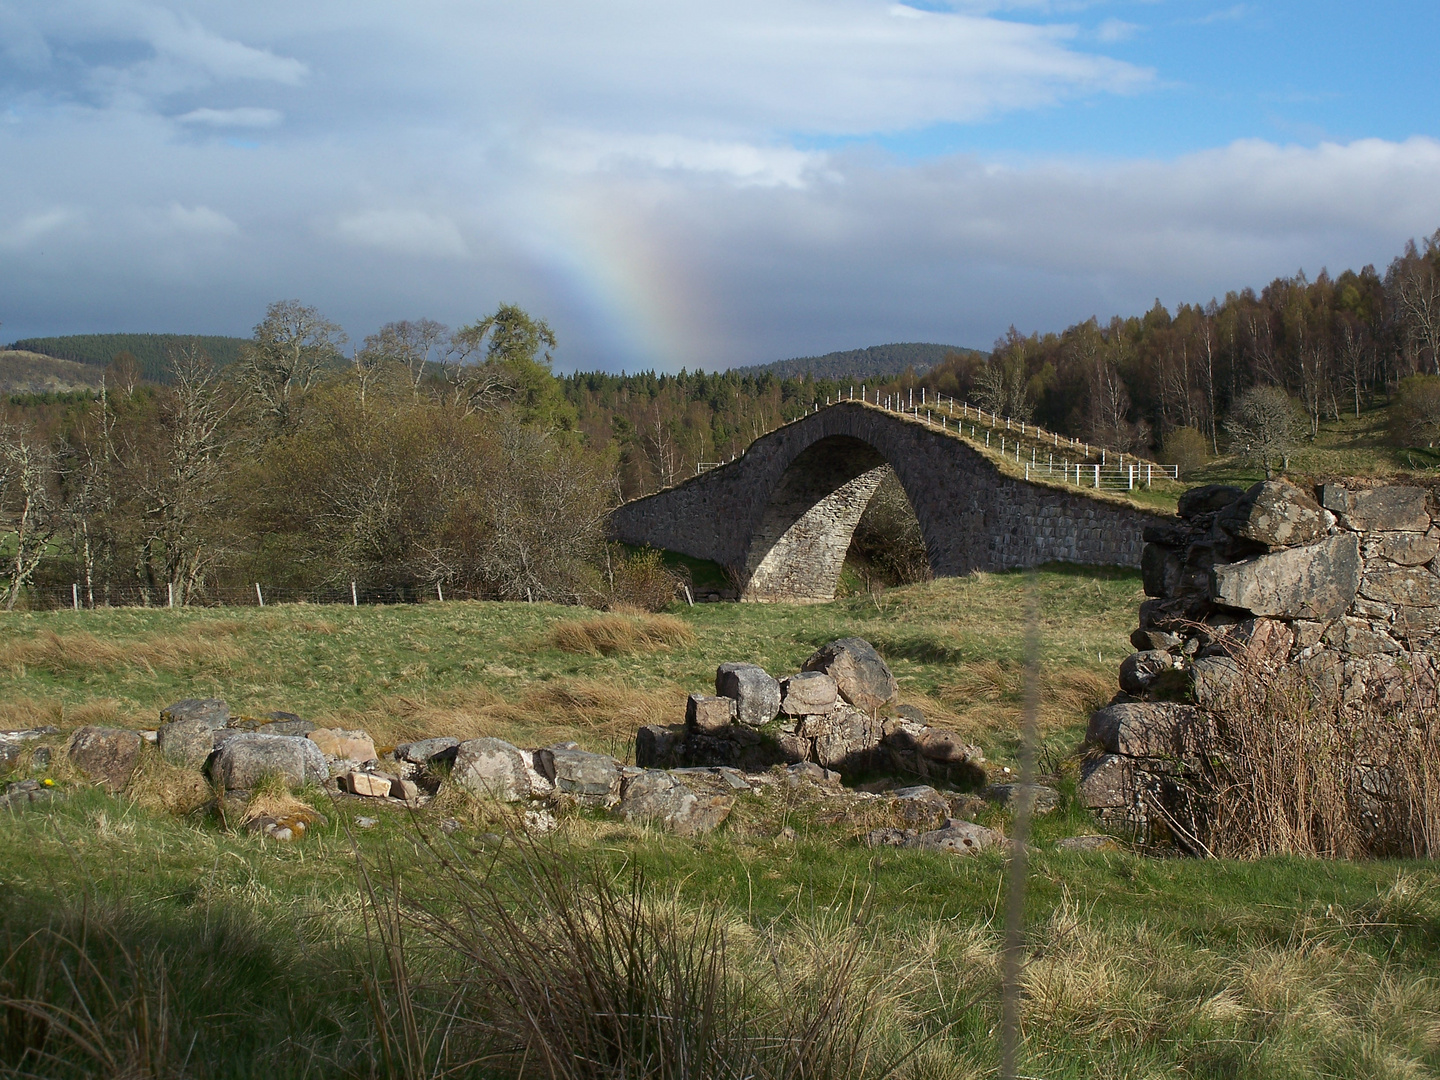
1137,966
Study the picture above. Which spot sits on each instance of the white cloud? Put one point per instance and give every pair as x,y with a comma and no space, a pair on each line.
403,232
200,221
34,227
746,164
1112,30
242,117
183,38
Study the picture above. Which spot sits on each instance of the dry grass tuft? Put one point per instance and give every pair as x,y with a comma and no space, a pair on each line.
62,654
24,713
608,708
606,635
272,798
161,785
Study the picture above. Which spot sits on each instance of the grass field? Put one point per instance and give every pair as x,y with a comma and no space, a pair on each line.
217,954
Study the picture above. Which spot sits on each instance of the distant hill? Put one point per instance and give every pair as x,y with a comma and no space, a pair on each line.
876,361
34,373
149,349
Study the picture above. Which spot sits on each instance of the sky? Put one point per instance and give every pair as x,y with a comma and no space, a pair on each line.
679,183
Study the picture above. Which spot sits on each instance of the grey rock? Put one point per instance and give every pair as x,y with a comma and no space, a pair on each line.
1275,513
921,807
1106,782
1145,729
1160,569
107,755
1359,638
592,779
1207,499
1408,586
212,711
849,741
286,724
889,837
1316,581
1405,548
660,747
803,772
26,793
1140,669
909,712
491,767
246,757
424,751
1044,799
756,694
1334,498
708,714
1393,508
1213,678
1155,640
959,838
807,693
366,822
861,676
186,742
663,798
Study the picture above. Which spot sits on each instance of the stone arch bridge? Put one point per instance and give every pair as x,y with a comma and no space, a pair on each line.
780,516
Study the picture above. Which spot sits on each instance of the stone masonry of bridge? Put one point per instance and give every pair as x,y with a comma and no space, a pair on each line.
780,517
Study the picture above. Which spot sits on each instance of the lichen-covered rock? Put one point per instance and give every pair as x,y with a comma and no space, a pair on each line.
186,742
848,740
1277,514
756,694
708,714
1106,782
105,754
807,693
246,757
663,798
210,711
1214,678
1316,581
1408,586
959,838
1403,548
861,676
491,767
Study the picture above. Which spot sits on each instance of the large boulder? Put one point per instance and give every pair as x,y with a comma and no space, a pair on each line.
708,714
807,694
105,754
1405,548
1316,581
492,767
591,779
1393,508
861,676
848,740
756,694
1106,782
424,751
1277,514
661,797
245,758
211,711
1207,499
959,838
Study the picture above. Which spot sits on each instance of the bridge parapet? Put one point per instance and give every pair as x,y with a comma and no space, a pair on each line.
780,516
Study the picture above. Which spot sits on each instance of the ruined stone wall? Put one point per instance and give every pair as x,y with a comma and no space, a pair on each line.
745,515
1342,582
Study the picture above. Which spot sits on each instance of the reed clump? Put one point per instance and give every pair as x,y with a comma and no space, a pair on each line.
612,633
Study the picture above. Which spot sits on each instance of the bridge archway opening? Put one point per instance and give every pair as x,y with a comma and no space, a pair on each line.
798,550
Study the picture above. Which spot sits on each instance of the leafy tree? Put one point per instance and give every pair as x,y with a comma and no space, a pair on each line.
1185,448
1262,426
1416,416
504,360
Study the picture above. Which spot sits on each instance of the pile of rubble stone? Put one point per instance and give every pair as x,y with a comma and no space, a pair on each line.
1343,583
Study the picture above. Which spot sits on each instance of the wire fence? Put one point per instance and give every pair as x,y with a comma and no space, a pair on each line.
78,596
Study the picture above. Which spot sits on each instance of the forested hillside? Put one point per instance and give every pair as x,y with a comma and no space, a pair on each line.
149,350
876,361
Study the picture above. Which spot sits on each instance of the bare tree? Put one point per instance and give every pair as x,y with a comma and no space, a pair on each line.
183,494
27,472
1357,359
1262,426
292,347
1415,287
419,347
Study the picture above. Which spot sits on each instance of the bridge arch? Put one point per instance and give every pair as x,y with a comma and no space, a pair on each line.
780,517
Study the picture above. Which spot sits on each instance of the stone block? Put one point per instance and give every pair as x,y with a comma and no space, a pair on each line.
1160,568
341,745
186,742
210,711
807,693
861,676
1404,586
592,779
1405,548
659,747
1396,508
1316,581
1277,514
424,751
1140,669
665,799
406,790
756,694
246,757
491,767
373,785
1162,640
959,838
1213,678
708,714
1359,638
1207,499
1145,728
1106,782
